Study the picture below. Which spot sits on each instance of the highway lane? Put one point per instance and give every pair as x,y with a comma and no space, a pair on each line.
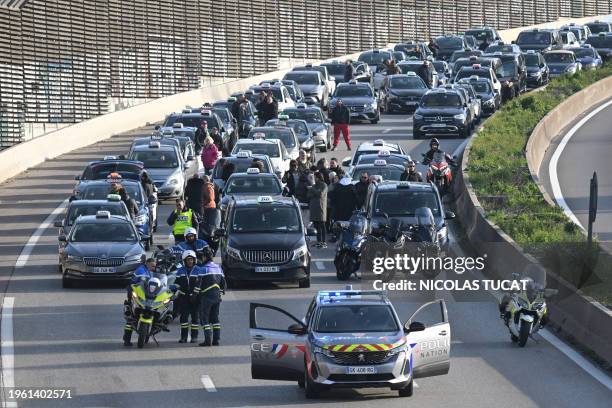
72,338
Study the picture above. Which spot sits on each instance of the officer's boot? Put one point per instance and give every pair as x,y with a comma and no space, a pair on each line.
184,332
127,335
127,309
216,334
194,333
207,336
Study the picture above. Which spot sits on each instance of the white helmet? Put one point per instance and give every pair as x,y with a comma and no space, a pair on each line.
190,231
189,253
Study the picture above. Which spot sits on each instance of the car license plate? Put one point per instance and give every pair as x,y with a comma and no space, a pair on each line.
361,370
410,103
104,270
267,269
438,125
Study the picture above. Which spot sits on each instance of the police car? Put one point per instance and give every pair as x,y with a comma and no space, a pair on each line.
380,167
265,240
349,339
100,247
252,183
300,128
359,98
279,132
371,148
241,161
319,127
273,148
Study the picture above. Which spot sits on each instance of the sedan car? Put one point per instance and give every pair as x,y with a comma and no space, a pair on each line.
100,170
562,62
448,44
402,92
319,127
280,132
273,148
587,56
313,86
603,44
381,168
489,99
300,128
101,247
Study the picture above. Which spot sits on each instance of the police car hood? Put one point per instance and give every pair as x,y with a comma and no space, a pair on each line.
161,174
347,339
277,241
104,249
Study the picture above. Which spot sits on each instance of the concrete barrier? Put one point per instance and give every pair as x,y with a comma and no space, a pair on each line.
575,315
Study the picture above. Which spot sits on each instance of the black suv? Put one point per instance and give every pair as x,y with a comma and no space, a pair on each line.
264,239
442,112
537,69
539,40
484,33
448,44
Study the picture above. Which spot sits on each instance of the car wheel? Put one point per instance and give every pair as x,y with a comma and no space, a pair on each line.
407,390
67,283
311,390
304,283
375,121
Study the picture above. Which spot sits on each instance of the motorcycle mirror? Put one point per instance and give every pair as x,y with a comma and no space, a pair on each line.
58,224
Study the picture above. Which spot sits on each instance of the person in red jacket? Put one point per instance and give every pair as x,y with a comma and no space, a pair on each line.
341,117
210,154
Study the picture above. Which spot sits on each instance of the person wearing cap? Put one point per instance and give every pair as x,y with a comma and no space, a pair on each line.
349,71
341,118
200,135
410,173
193,243
180,219
187,281
212,285
210,154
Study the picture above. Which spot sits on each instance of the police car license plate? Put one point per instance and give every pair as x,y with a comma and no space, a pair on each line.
438,125
361,370
104,270
267,269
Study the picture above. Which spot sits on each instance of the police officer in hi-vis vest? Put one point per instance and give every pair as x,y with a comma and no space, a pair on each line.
180,219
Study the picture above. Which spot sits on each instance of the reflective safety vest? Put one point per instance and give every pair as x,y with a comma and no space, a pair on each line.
183,221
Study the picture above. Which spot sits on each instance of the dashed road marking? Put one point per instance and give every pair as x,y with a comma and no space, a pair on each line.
320,265
386,131
7,349
208,384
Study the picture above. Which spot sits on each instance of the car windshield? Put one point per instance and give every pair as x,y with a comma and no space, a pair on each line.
268,149
191,121
284,136
240,166
303,78
309,116
223,114
407,83
153,159
386,172
356,319
405,68
276,92
266,218
600,41
532,60
558,58
353,91
599,27
439,66
505,70
577,32
103,232
449,42
101,192
481,86
399,55
335,69
438,99
101,171
536,38
403,203
253,185
584,52
374,58
480,35
462,54
77,211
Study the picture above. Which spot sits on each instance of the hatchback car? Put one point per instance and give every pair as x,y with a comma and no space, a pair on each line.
300,128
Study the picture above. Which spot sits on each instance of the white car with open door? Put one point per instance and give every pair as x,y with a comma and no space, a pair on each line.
349,339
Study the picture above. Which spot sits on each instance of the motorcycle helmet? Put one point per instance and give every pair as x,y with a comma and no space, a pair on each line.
191,231
189,253
434,141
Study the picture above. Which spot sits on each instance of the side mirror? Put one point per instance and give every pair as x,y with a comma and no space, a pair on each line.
58,224
157,127
190,157
346,161
449,215
219,232
297,329
77,178
186,165
62,238
311,232
414,327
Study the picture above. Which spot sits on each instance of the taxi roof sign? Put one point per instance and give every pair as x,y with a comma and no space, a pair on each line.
380,162
206,112
476,66
474,78
103,214
113,197
411,73
403,184
244,154
252,170
232,99
110,157
264,199
177,125
283,116
154,144
379,142
384,153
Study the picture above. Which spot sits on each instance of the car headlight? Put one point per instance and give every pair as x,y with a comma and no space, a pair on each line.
173,181
133,258
535,74
489,102
417,116
140,220
73,258
233,252
324,351
460,116
300,252
307,144
571,68
373,105
396,350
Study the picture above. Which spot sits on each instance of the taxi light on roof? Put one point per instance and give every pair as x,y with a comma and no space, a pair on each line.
231,99
283,116
474,77
206,112
476,66
379,142
252,170
113,197
353,81
155,145
110,157
380,162
264,199
259,135
403,184
103,214
586,45
384,153
187,110
244,154
602,34
177,125
411,73
300,105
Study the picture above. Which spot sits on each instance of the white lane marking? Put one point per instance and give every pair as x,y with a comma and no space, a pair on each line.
29,246
386,131
554,161
7,348
573,355
208,383
320,265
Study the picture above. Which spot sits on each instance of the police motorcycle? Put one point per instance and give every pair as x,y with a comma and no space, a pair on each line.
524,312
353,236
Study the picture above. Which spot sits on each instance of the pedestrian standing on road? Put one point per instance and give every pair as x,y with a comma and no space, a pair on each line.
302,162
210,154
267,109
187,280
344,198
361,189
129,202
180,219
393,69
341,118
334,166
208,194
433,46
410,173
349,71
194,194
331,190
323,168
235,108
200,135
291,178
218,140
317,196
212,285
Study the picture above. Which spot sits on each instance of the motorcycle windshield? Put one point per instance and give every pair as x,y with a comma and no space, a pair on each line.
357,226
438,158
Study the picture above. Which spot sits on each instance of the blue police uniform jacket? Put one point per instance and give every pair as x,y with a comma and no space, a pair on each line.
188,279
213,281
197,246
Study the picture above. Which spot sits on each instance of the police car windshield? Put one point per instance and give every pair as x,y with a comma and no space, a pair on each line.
386,172
531,37
266,218
481,87
406,83
449,42
374,58
440,99
253,185
268,149
101,192
310,116
403,202
353,91
157,159
356,319
584,52
284,136
558,58
532,60
335,69
480,35
103,232
303,77
83,210
600,41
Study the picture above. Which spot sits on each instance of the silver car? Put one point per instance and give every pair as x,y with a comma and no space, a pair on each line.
349,339
313,86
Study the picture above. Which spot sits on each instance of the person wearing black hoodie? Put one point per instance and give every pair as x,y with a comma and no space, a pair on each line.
344,200
194,194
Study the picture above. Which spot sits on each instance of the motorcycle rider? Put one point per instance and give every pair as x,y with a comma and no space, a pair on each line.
434,147
192,243
187,279
143,272
212,285
410,173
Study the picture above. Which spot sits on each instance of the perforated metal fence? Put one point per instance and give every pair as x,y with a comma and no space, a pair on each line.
62,61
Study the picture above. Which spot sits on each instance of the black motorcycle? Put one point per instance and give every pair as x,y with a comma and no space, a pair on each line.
353,236
211,222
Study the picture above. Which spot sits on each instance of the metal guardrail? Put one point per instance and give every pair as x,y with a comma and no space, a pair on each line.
62,61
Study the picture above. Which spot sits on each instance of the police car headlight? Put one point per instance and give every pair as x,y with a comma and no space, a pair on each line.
72,258
173,181
140,220
134,258
233,252
417,116
460,116
321,350
300,252
395,351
